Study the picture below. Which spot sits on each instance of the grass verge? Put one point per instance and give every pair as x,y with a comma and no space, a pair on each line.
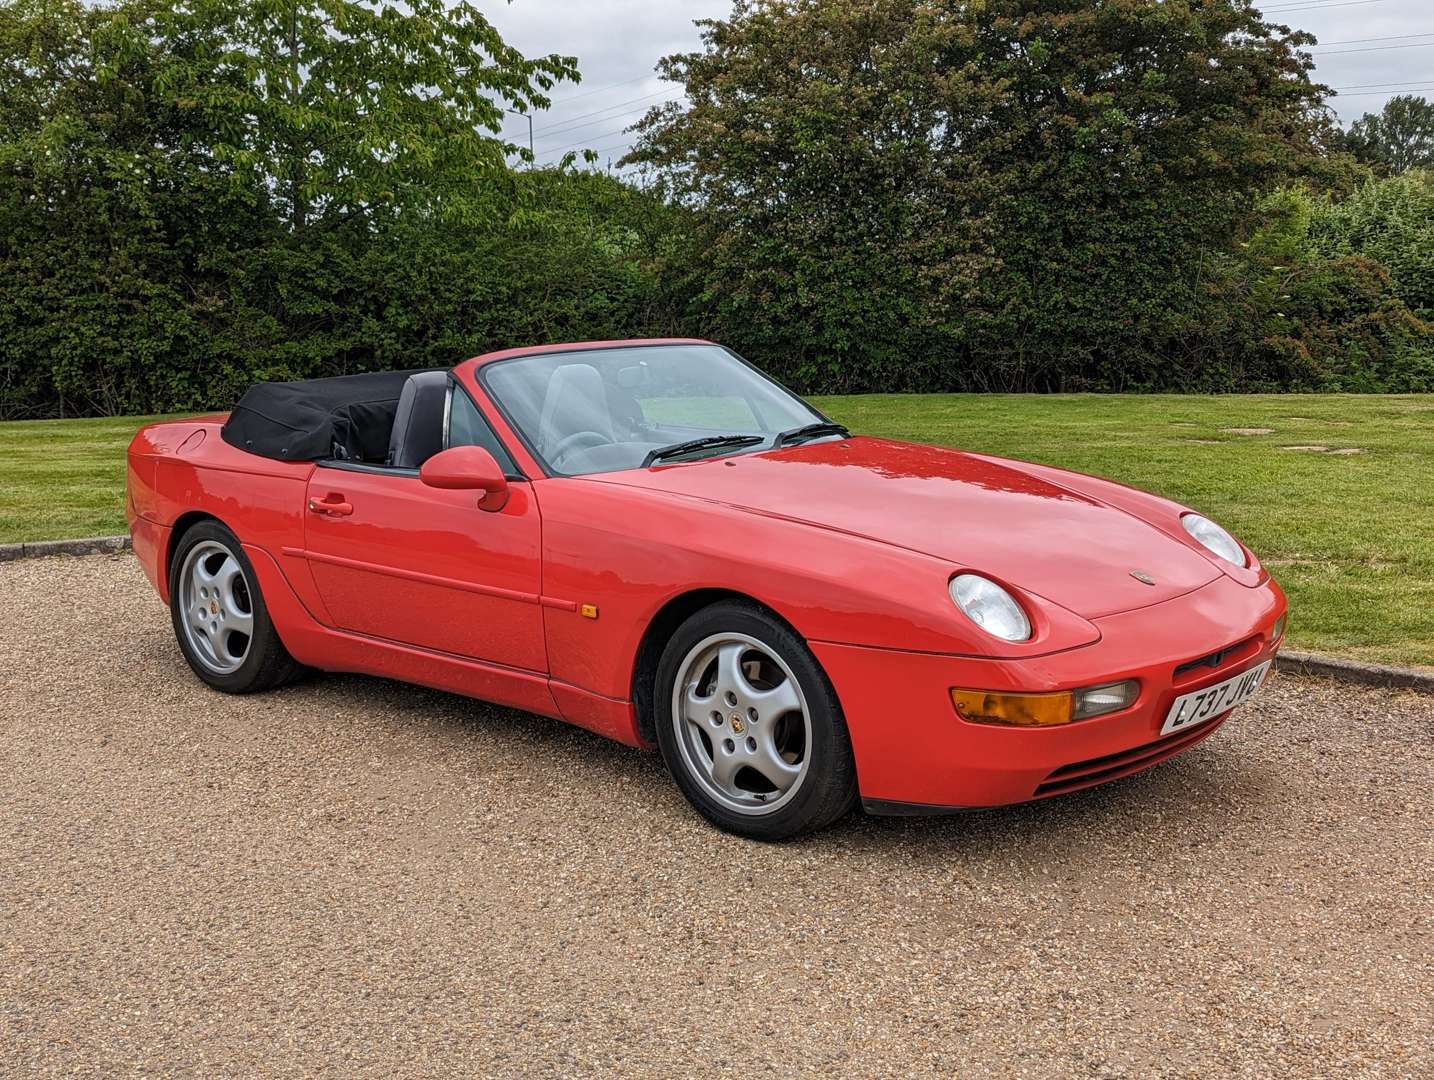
62,479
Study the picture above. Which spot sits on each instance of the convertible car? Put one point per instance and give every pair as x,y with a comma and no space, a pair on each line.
653,540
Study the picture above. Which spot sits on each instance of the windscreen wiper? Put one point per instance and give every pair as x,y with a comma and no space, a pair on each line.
691,445
810,431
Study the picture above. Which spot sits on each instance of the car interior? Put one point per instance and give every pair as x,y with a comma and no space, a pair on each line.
605,412
585,423
581,414
404,431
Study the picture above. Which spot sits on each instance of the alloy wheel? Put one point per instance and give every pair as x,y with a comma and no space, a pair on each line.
743,728
216,606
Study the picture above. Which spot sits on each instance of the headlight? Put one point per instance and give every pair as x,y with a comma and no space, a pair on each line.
1099,700
990,607
1214,539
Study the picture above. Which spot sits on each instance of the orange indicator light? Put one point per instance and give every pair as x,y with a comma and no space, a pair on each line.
1014,710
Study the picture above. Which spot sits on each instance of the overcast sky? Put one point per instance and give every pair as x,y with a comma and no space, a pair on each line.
1368,49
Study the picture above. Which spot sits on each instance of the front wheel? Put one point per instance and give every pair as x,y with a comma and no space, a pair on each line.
749,726
219,615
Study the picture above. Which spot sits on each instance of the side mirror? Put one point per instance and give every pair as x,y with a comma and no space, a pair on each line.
467,468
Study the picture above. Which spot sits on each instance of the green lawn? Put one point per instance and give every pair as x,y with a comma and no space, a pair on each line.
1349,536
63,478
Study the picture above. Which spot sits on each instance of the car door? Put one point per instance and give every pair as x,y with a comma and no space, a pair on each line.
395,559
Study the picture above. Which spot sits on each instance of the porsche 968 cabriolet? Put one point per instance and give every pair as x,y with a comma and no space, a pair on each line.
655,541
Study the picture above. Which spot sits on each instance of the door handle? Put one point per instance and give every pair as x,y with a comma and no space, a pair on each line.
333,506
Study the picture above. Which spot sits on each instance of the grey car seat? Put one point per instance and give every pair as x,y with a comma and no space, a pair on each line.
576,400
418,424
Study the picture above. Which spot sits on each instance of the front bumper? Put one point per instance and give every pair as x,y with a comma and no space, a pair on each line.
914,754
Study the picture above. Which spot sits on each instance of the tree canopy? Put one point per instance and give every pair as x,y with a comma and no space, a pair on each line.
183,209
352,105
1400,136
1017,193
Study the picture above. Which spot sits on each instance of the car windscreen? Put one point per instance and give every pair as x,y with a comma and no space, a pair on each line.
602,410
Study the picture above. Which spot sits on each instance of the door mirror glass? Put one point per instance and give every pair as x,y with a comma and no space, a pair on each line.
467,468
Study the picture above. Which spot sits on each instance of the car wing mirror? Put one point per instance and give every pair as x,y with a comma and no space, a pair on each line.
467,468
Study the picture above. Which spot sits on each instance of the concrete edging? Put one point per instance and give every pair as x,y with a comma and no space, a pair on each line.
93,545
1296,663
1355,671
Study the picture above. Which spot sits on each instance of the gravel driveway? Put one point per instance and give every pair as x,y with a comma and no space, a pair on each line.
357,878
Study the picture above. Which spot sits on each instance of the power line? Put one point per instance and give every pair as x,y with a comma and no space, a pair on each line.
552,153
1319,7
587,141
1380,48
631,118
627,143
1372,85
1361,41
570,124
562,126
596,150
551,156
1390,93
614,146
600,89
614,105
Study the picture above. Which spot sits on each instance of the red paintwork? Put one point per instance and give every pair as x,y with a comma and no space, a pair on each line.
852,542
426,567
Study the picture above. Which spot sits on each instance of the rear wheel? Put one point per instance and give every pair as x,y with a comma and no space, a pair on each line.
749,726
220,620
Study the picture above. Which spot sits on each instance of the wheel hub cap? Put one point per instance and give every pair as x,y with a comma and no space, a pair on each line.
742,724
216,605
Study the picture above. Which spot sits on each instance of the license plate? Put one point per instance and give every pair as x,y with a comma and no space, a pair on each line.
1190,709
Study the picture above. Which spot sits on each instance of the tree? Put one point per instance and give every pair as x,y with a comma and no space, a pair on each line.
354,107
176,221
1391,222
1014,194
1400,136
1307,302
113,220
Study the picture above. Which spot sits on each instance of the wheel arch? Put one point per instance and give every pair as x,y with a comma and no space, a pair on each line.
182,525
659,631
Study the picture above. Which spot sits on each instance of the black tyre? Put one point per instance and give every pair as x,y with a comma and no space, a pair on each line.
220,620
749,725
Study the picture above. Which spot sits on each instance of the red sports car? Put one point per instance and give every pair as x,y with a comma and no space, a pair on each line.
653,540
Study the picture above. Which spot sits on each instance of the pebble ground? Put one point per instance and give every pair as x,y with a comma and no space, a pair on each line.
356,878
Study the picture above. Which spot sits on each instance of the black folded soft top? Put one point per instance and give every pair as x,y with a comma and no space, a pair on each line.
349,416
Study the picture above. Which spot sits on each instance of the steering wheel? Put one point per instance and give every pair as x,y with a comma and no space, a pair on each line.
584,440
